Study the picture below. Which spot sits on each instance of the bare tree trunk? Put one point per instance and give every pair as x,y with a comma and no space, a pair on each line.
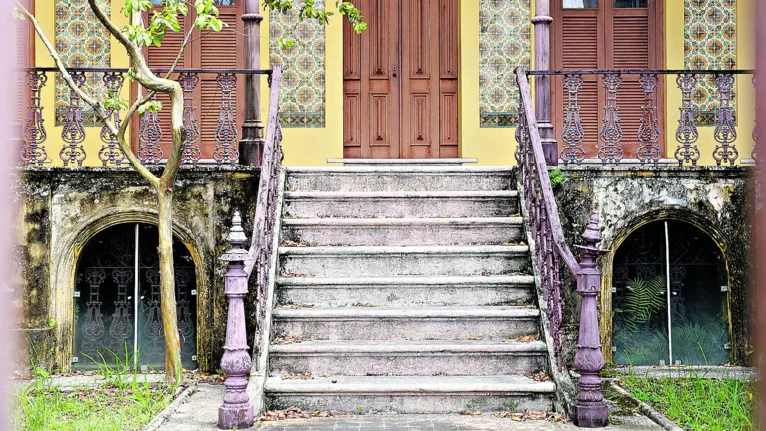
167,283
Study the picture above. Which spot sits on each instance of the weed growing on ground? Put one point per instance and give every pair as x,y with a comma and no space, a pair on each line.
695,403
124,401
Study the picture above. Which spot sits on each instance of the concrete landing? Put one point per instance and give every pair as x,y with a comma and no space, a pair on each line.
200,413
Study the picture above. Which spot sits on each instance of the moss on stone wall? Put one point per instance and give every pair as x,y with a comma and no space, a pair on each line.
714,199
61,208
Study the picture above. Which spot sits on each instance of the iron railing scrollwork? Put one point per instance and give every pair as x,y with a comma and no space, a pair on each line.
261,248
707,99
153,133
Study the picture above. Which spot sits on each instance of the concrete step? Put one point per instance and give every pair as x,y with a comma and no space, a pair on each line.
397,178
407,290
426,260
409,394
408,358
401,204
405,323
403,231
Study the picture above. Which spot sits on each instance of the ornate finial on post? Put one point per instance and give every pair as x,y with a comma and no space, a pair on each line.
236,410
590,411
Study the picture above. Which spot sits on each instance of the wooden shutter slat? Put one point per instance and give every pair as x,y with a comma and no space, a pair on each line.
630,51
210,95
631,42
580,42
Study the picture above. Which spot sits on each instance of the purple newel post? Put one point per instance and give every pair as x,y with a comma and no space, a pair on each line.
590,411
236,410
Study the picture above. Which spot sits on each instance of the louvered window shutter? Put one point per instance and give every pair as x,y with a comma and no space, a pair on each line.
580,51
223,50
630,49
606,37
162,57
206,50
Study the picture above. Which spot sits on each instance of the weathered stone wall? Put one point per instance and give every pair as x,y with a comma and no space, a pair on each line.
60,209
714,199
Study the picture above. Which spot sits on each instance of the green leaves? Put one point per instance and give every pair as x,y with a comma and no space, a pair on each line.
114,102
642,299
309,10
153,106
167,19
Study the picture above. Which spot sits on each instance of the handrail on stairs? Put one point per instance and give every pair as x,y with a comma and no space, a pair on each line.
259,254
550,249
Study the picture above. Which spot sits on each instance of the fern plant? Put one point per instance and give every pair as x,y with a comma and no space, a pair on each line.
642,299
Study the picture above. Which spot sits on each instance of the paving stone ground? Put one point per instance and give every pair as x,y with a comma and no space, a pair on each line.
200,413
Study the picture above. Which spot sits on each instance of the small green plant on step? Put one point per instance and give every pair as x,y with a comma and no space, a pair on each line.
556,177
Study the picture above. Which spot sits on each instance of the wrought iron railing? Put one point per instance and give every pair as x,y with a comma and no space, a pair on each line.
542,211
611,145
261,248
550,249
207,92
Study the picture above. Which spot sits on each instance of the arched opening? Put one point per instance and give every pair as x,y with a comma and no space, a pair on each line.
686,324
117,318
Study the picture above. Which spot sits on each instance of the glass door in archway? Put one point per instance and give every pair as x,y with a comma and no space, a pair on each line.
117,266
686,324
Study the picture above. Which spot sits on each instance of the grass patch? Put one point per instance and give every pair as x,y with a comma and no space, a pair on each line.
697,403
104,408
123,402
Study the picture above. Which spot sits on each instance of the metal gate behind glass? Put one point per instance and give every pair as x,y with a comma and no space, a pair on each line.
686,323
117,266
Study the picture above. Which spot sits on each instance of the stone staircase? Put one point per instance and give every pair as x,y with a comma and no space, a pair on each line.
405,289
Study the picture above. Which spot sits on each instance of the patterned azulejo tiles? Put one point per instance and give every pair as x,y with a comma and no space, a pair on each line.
82,42
302,98
504,43
710,42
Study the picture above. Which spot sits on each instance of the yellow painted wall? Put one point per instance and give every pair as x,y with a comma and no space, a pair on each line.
491,146
44,11
745,96
313,146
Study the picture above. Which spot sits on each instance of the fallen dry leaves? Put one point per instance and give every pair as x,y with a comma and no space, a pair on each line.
522,339
293,413
290,340
540,376
532,415
299,376
297,305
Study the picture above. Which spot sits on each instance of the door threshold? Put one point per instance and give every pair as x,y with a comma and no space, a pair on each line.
403,162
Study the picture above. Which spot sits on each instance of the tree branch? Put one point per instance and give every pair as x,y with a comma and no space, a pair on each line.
146,78
96,105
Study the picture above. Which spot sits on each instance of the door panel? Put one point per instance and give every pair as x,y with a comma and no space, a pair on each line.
400,81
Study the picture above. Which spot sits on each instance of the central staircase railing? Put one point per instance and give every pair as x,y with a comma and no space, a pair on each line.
550,250
261,248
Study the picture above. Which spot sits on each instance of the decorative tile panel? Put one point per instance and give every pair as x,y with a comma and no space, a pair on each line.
81,41
302,100
710,42
504,43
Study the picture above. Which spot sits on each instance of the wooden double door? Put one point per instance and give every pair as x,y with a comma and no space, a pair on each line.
607,34
400,81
